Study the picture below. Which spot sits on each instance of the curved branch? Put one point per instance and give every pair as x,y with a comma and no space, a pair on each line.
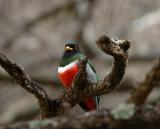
117,49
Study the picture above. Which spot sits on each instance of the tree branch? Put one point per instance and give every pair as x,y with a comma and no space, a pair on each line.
17,73
151,80
143,119
120,55
50,107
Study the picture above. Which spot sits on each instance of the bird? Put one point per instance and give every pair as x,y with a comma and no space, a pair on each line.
68,68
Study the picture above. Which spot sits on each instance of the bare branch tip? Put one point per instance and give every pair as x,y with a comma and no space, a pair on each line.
103,39
126,45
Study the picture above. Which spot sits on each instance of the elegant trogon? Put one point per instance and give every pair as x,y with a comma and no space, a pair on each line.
69,67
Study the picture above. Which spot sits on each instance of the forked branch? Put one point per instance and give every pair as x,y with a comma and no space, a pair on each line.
50,107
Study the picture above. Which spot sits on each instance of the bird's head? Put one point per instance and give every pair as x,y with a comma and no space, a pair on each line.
71,48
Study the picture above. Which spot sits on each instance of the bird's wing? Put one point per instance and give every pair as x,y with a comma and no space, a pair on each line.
91,74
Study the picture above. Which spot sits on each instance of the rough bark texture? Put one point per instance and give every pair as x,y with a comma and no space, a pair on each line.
51,107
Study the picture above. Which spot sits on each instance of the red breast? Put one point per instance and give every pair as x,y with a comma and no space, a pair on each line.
67,73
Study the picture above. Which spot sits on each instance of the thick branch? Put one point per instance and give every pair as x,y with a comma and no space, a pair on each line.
143,119
151,80
117,49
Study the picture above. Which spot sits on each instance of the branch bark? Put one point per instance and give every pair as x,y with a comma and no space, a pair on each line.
151,80
143,119
17,73
49,106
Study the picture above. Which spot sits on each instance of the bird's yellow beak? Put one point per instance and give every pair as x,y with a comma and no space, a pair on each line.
68,48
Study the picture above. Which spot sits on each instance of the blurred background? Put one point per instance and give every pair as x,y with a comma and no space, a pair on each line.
33,34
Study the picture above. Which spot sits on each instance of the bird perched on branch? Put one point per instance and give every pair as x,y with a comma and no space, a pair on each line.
69,68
